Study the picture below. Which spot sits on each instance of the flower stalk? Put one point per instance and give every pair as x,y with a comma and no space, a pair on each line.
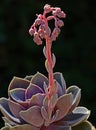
50,65
45,32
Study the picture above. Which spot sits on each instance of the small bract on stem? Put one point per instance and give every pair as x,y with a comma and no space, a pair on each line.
41,30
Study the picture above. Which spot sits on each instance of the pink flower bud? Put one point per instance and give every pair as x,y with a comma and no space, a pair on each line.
38,21
55,33
31,31
48,31
56,11
41,33
37,39
61,14
47,8
59,23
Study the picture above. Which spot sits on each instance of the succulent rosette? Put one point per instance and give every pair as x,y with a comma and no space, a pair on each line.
40,103
28,108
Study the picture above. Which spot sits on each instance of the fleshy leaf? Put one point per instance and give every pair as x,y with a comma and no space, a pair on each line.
55,116
44,113
33,116
17,94
84,126
4,107
32,90
18,83
23,127
60,79
15,108
53,100
78,115
63,104
5,128
29,77
76,92
53,60
8,121
45,103
39,80
45,86
58,88
56,127
37,99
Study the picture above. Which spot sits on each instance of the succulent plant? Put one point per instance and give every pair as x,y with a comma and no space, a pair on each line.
40,103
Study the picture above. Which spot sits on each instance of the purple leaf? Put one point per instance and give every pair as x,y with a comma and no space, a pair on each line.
32,90
15,108
59,88
76,92
18,83
78,115
39,80
17,94
59,77
63,104
37,99
33,116
4,107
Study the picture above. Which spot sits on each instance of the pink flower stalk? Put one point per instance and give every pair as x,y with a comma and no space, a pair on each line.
40,30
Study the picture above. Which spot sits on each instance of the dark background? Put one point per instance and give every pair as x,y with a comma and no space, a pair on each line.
75,48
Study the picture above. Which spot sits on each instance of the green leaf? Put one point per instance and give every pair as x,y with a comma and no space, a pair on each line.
5,128
84,126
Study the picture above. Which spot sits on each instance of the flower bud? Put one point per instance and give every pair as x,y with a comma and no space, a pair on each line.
38,21
48,31
61,14
47,8
37,39
56,11
59,23
31,31
56,32
41,33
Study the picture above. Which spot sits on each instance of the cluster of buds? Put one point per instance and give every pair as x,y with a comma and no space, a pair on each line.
40,28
